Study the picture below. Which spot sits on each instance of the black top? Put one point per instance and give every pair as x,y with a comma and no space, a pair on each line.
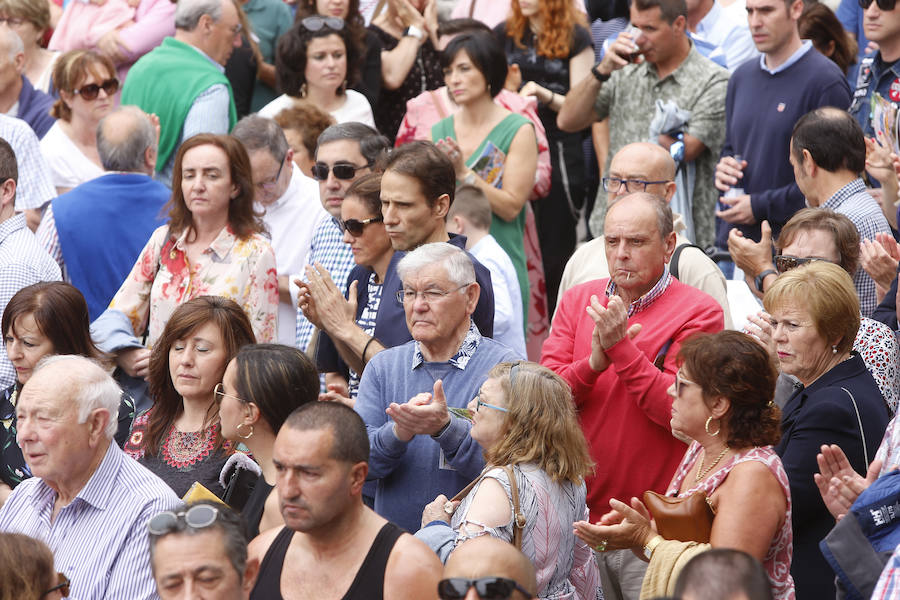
369,84
256,504
367,585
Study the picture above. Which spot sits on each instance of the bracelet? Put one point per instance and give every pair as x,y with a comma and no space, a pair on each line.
469,179
651,546
366,347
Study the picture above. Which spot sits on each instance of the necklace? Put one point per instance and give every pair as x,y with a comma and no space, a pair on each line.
701,472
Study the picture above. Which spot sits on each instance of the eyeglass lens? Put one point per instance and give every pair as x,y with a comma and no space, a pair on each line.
92,90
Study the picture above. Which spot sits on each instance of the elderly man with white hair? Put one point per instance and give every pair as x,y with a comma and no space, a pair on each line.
419,448
87,501
18,98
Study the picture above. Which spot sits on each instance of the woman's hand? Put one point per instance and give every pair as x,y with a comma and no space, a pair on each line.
430,20
760,327
513,78
542,94
624,527
436,510
408,15
838,483
879,258
449,147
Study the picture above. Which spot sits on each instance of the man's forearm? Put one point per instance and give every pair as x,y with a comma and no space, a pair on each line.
577,112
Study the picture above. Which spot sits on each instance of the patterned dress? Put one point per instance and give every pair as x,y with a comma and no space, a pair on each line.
778,559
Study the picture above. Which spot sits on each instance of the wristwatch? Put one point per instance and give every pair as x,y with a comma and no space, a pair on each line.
762,276
413,31
595,71
651,546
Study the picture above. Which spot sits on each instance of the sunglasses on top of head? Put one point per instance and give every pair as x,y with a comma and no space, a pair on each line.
315,23
92,90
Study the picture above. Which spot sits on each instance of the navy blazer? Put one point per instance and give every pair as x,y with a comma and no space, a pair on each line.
823,413
390,322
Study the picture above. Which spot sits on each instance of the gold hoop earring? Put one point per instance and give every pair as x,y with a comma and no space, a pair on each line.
241,435
706,427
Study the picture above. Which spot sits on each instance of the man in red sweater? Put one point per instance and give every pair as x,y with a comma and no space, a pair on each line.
615,342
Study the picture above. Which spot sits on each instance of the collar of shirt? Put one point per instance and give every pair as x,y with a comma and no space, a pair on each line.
804,48
462,356
221,68
647,299
854,187
708,22
11,225
95,492
682,71
220,246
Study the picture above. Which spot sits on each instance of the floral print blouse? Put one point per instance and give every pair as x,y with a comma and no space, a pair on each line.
242,270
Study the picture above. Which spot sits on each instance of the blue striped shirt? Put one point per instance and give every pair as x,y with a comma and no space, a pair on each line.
99,540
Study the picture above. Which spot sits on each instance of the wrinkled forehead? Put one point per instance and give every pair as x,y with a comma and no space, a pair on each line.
46,393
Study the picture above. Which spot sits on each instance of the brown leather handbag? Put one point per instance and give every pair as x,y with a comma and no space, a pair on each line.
687,519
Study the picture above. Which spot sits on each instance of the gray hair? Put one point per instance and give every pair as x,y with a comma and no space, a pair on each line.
460,269
12,39
665,220
92,388
372,145
259,133
228,523
123,148
188,12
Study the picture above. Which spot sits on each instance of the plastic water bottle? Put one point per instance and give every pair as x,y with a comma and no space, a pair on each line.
734,192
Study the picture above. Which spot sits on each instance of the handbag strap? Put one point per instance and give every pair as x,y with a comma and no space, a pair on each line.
518,518
862,433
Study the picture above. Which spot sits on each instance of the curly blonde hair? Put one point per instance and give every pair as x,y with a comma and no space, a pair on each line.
542,427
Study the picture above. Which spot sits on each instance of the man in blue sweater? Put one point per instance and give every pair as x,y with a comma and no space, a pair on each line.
419,449
764,100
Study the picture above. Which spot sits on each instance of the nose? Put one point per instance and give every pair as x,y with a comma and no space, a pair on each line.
287,485
473,404
332,182
671,390
24,431
621,250
389,215
14,350
187,356
348,239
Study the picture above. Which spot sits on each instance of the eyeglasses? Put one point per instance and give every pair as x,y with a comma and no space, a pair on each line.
429,296
269,186
199,516
219,391
479,403
785,262
315,23
882,4
355,226
487,588
62,586
12,21
680,382
92,90
341,171
614,184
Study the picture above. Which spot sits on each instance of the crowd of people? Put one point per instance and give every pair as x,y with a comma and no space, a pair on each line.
416,299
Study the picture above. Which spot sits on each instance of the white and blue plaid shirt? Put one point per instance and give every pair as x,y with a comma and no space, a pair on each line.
34,187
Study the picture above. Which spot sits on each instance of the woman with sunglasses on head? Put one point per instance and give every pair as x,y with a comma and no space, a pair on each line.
27,570
261,386
87,85
524,418
180,438
722,401
367,43
326,307
316,61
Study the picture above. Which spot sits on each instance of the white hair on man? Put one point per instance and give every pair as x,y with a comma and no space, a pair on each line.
460,269
90,386
12,42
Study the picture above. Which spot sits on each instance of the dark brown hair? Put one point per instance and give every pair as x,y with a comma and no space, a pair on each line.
820,25
60,313
26,567
367,189
354,23
423,162
734,365
291,56
236,332
70,70
846,235
242,217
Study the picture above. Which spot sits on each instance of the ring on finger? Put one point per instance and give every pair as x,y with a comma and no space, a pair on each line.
601,547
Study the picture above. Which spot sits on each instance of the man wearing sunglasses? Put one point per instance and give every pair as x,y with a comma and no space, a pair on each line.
18,98
87,500
879,73
487,568
182,80
290,203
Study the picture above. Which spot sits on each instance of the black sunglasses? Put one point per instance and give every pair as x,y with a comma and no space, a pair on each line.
487,588
315,23
196,517
341,171
92,90
882,4
355,226
63,586
786,262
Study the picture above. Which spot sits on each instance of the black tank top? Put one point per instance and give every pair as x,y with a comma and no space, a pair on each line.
367,585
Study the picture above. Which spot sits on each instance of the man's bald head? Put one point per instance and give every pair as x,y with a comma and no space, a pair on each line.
645,162
10,44
487,556
126,141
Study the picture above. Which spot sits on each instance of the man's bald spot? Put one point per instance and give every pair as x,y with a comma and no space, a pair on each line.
121,124
643,160
486,556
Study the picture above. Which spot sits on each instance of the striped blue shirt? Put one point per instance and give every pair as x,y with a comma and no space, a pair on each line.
99,540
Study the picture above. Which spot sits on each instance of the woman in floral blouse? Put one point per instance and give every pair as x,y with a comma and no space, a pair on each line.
213,245
179,439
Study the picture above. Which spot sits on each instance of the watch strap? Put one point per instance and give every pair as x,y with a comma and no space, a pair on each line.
595,71
413,31
762,276
651,546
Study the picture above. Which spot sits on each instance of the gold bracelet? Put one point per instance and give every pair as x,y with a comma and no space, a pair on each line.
651,546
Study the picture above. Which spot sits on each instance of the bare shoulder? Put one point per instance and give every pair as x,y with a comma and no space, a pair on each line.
750,479
413,570
260,544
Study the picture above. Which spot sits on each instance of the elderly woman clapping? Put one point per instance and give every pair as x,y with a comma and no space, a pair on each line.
524,418
721,400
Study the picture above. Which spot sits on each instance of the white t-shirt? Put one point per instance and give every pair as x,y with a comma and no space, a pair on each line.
69,167
355,108
508,321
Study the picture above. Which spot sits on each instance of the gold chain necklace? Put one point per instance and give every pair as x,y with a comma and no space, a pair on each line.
701,472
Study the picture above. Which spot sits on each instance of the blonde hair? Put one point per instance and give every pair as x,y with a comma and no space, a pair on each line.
35,12
542,425
826,291
70,70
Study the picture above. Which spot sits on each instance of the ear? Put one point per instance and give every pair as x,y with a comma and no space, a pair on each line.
205,24
796,10
719,407
473,292
19,62
251,571
456,224
808,165
150,157
290,157
442,206
680,23
235,191
253,412
358,474
8,192
97,421
671,187
670,246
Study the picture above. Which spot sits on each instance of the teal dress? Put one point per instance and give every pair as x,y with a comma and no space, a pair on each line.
488,162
